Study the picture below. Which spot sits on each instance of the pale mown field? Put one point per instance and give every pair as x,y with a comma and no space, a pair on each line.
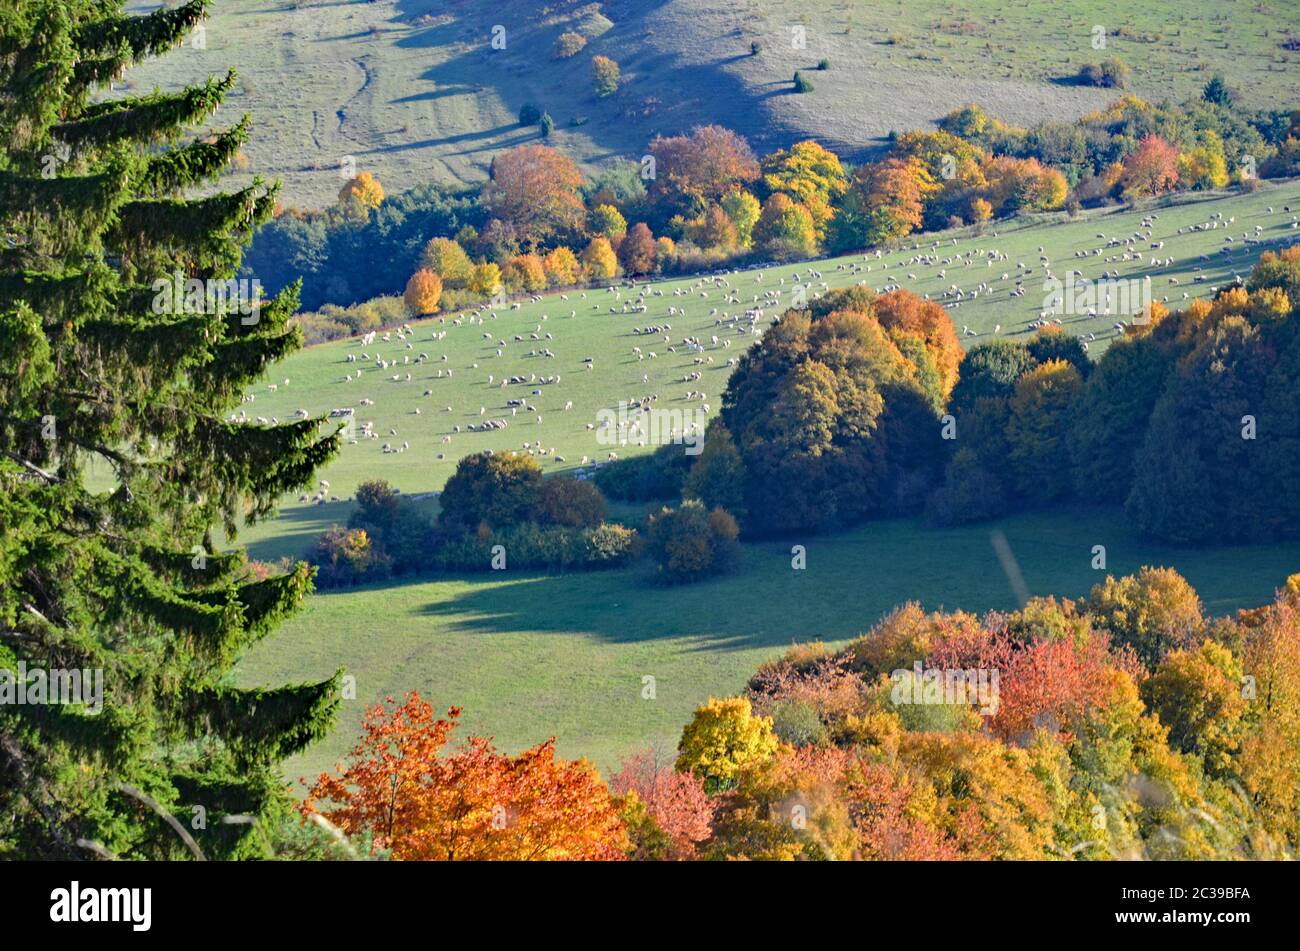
414,90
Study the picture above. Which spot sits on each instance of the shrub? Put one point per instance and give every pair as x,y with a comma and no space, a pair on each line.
397,530
569,44
570,502
1112,74
547,124
802,83
497,490
824,64
659,475
531,546
691,543
529,114
755,48
346,557
605,76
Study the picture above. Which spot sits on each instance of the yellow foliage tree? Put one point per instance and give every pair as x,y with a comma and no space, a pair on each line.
363,190
1205,166
562,267
524,272
723,739
485,279
448,260
599,259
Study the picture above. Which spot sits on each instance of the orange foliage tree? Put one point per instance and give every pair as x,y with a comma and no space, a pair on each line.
423,291
422,803
535,189
675,801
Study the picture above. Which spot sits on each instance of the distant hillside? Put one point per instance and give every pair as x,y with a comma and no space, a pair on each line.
414,90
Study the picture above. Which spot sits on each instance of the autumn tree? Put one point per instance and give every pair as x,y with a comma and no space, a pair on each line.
524,272
605,76
1197,694
676,802
638,253
692,171
884,201
715,230
743,209
485,279
785,229
448,260
562,268
1205,165
424,803
423,291
535,189
1036,430
599,260
723,739
361,194
607,221
1149,170
1020,185
1154,611
810,174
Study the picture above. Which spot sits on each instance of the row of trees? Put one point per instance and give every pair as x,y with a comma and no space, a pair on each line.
491,500
1189,420
1126,725
704,198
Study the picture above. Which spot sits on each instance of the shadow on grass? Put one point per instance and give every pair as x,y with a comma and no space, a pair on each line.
854,578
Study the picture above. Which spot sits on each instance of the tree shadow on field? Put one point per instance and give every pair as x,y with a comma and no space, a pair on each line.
854,578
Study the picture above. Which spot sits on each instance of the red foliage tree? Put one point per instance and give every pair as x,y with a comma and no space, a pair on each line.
703,166
1151,169
676,801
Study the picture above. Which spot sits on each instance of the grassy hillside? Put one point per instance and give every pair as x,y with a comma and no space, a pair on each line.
414,90
531,656
582,327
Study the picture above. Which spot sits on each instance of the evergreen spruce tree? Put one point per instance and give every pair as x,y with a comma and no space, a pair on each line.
119,458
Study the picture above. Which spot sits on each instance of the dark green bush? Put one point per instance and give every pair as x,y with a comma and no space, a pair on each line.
691,543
